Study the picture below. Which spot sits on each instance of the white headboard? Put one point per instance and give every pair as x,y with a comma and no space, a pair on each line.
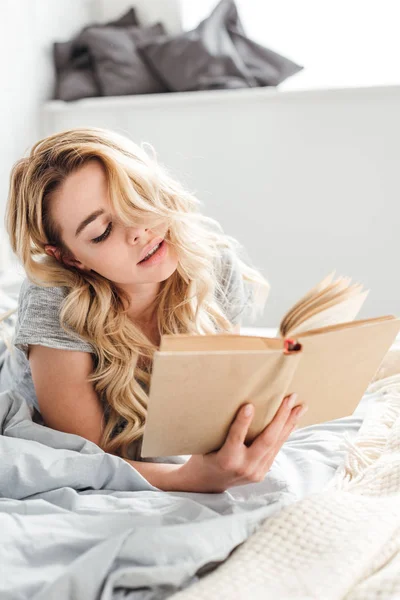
168,12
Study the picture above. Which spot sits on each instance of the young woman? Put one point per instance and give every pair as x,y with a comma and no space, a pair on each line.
116,254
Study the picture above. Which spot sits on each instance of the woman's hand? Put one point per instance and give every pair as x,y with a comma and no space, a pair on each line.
235,463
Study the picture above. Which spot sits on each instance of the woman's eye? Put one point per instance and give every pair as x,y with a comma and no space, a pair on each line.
103,236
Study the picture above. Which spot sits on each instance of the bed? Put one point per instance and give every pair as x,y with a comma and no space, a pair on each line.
79,523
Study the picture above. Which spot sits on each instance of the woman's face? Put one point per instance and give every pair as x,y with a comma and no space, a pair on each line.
101,243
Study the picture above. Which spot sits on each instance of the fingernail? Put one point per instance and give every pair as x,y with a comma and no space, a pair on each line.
303,410
292,400
248,410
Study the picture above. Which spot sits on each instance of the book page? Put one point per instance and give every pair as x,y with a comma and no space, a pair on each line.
334,293
309,296
322,305
339,313
327,303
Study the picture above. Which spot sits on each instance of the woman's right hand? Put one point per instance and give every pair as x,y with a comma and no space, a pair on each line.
235,463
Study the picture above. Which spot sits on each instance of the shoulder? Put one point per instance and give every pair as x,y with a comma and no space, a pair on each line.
41,303
39,319
29,290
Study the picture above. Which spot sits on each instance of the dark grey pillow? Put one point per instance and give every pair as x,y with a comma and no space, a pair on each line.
216,54
266,66
74,72
203,58
119,68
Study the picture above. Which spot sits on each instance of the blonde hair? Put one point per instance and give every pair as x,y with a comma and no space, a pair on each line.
140,190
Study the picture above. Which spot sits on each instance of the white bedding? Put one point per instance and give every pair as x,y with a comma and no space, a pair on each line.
51,476
75,518
341,543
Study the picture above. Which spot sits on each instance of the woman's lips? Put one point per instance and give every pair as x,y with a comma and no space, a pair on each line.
157,257
150,247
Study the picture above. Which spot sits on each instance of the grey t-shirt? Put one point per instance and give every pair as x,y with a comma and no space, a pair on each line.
38,323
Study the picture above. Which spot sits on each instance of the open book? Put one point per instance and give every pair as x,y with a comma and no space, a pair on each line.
199,382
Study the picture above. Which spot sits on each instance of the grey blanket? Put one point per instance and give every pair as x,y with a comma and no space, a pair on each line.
78,523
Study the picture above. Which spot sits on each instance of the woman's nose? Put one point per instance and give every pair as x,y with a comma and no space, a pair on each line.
135,233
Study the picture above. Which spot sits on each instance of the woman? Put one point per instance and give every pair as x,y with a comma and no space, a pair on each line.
116,254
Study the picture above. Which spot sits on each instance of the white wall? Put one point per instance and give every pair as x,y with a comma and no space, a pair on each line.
306,180
27,30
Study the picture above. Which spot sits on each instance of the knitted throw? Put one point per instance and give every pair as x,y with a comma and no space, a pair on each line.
340,543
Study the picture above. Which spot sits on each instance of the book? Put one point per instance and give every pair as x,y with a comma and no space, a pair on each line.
199,382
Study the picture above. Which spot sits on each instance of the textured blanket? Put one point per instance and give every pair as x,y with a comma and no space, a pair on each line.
77,523
340,543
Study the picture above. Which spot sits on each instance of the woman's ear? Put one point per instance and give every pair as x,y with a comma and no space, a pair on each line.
53,251
67,260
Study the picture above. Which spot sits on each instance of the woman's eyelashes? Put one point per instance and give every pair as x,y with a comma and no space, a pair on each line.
103,236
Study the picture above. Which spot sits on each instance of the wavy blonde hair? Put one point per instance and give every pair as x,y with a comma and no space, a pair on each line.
140,190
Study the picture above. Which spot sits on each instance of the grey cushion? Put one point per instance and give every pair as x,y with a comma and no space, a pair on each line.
74,72
266,66
118,67
216,54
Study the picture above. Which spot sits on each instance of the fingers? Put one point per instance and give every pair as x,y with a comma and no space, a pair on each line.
283,422
272,436
250,464
239,428
272,432
291,424
270,454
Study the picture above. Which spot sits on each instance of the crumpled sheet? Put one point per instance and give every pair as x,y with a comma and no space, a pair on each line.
78,523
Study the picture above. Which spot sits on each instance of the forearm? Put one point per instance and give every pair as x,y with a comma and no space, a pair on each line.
165,476
191,476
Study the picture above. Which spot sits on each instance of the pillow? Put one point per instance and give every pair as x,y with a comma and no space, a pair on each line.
118,67
203,58
216,54
266,66
74,73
